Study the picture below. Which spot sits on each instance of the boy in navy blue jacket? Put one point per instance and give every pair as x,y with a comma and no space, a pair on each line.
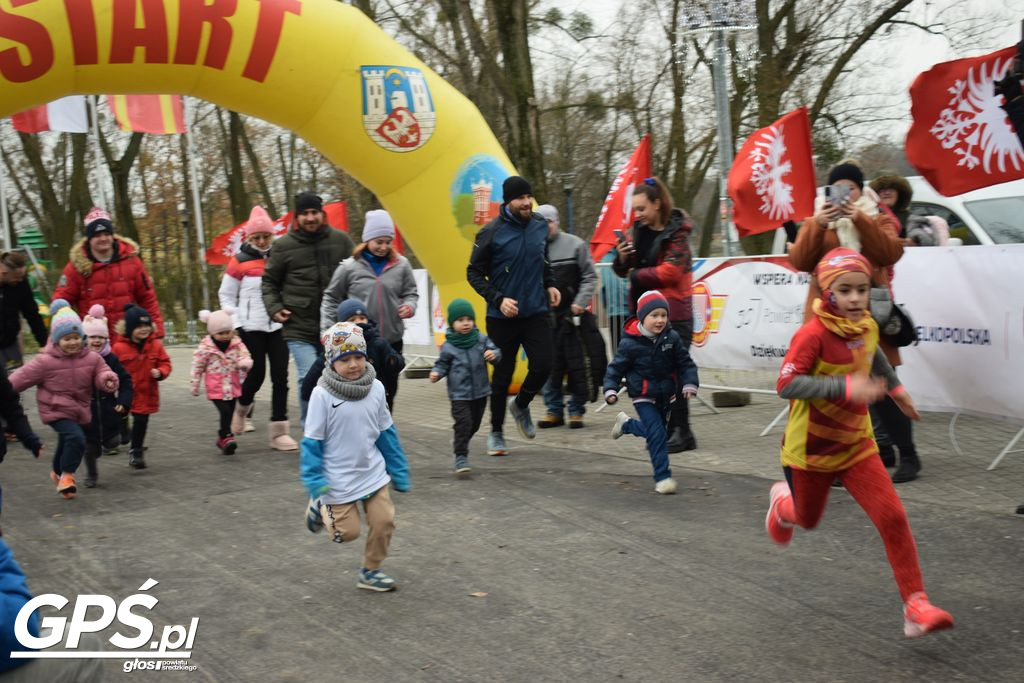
656,365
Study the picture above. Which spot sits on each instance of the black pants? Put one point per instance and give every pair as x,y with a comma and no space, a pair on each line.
680,415
897,426
508,334
140,423
264,346
390,381
467,416
226,410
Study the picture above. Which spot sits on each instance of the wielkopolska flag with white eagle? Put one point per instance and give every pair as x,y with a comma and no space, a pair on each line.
960,138
772,176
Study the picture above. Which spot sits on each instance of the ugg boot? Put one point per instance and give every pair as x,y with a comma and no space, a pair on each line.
238,417
279,439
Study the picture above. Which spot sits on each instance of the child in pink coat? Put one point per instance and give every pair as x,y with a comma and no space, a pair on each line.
224,360
65,372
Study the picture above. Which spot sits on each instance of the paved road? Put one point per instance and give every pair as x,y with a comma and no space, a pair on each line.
588,574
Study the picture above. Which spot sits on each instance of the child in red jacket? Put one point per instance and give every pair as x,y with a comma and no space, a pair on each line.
827,376
220,363
147,361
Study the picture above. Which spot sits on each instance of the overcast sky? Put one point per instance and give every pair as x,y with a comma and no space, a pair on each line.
901,56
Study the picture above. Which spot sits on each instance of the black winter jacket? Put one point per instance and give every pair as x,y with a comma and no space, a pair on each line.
16,301
386,362
582,354
106,422
14,419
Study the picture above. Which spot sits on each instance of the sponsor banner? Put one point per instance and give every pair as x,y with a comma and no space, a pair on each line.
417,328
966,303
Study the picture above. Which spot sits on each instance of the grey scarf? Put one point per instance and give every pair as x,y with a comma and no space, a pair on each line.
351,389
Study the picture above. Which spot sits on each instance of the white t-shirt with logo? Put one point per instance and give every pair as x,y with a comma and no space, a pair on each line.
352,464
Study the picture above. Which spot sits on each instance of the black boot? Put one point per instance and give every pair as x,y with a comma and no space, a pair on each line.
136,459
908,469
681,439
888,454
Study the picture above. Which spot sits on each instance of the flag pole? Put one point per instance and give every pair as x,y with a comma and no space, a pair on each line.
197,209
101,185
8,236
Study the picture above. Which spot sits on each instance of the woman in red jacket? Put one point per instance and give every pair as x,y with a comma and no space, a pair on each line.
656,255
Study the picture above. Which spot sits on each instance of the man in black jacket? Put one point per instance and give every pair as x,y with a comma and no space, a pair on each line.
16,301
509,268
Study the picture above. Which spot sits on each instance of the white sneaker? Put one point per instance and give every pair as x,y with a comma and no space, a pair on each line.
666,487
620,421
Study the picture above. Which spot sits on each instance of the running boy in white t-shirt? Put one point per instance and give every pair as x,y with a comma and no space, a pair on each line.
351,452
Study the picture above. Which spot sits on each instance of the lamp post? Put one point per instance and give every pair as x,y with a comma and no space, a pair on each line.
189,310
721,17
567,186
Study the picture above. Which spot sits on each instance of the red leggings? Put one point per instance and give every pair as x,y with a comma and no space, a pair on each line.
870,486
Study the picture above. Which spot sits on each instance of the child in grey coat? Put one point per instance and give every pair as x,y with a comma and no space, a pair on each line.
463,360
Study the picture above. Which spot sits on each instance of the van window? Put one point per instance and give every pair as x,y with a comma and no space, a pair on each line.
1002,218
957,227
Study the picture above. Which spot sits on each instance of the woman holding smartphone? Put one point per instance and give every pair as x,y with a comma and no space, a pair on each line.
850,217
656,255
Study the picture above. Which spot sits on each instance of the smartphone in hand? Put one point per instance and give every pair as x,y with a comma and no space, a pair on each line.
619,235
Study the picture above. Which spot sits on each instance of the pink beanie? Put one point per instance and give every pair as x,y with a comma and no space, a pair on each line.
218,321
259,221
94,324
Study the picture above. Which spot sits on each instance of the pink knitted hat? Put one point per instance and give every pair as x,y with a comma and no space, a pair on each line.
94,324
217,321
259,221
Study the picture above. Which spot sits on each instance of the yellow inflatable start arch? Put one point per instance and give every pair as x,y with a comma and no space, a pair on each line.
318,67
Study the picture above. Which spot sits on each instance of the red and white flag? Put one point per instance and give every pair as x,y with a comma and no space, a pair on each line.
158,114
66,115
960,138
617,212
772,177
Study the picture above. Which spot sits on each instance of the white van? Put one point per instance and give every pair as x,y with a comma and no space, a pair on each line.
991,215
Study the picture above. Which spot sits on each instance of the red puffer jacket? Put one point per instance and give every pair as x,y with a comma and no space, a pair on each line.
123,280
138,362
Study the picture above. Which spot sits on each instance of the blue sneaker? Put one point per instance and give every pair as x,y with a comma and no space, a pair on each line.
313,520
376,580
496,444
522,419
462,467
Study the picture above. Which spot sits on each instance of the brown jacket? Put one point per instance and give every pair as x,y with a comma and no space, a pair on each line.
880,245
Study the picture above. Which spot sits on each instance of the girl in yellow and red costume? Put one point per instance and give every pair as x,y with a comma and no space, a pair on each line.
833,370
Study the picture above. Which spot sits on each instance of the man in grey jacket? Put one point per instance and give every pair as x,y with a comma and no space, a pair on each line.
298,270
576,279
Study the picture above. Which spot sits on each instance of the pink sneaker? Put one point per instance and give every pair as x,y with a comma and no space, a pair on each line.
921,617
780,531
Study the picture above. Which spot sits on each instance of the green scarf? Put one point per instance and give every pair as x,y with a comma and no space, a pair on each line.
463,341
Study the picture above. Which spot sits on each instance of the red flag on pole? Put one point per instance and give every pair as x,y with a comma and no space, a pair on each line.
960,138
66,115
617,212
772,177
227,244
159,114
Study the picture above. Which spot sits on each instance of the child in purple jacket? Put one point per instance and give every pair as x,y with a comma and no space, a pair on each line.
65,372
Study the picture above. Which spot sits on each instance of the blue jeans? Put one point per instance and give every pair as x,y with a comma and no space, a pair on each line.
651,426
70,445
553,399
304,354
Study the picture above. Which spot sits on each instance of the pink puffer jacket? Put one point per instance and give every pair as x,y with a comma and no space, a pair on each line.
224,370
65,382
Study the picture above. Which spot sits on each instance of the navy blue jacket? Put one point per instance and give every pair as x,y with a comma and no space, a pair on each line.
510,259
653,369
106,422
386,362
14,593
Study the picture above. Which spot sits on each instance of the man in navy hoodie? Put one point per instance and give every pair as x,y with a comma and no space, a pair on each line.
509,268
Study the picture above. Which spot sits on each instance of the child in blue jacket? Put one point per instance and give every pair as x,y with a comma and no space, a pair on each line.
463,360
351,452
655,362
